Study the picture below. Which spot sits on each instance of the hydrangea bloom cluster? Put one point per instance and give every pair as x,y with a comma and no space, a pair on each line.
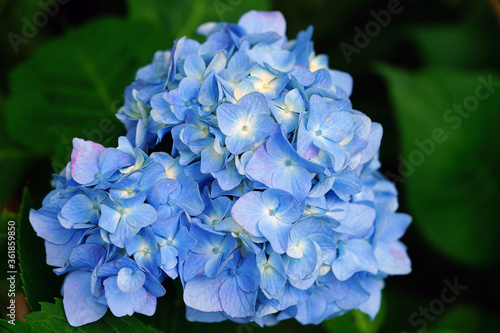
269,207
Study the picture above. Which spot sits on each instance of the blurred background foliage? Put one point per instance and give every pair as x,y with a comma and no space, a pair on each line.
65,78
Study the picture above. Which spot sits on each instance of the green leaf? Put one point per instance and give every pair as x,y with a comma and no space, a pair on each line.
178,18
73,86
39,282
448,160
14,160
51,319
460,46
466,318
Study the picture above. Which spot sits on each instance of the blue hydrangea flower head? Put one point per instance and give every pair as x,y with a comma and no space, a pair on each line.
269,206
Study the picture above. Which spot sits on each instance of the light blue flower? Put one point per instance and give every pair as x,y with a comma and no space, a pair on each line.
287,109
277,165
303,257
215,210
234,291
245,123
59,241
272,273
389,251
92,164
172,167
326,129
184,97
174,242
80,306
268,214
172,196
265,81
144,248
82,210
209,255
131,290
123,219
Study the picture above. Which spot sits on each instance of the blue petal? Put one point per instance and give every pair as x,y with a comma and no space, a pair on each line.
261,166
396,226
210,91
280,149
161,192
337,126
183,242
239,143
235,302
175,100
121,303
194,66
129,281
111,160
272,273
123,234
248,211
78,209
373,140
247,275
202,294
47,226
358,221
153,286
348,183
189,198
392,258
140,216
258,22
300,268
80,306
166,227
288,210
229,177
148,308
355,255
86,256
58,254
319,112
204,317
255,103
294,180
230,118
356,295
84,161
189,88
276,232
168,257
374,287
310,311
342,80
193,265
110,218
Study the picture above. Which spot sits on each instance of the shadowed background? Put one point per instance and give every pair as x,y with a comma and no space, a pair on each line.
427,71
